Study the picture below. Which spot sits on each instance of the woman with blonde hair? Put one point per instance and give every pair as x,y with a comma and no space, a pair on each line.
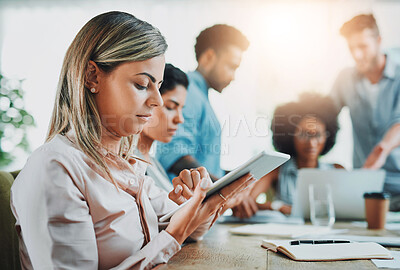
82,201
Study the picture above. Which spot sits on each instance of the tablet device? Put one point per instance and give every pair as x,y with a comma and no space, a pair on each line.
258,166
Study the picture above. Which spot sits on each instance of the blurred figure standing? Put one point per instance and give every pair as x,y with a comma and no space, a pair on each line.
371,91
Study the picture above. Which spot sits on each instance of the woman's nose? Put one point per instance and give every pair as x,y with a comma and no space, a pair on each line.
313,141
155,99
179,117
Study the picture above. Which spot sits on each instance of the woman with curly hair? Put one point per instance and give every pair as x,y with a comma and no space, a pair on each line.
306,130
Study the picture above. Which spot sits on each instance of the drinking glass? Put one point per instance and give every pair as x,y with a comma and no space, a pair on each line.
322,212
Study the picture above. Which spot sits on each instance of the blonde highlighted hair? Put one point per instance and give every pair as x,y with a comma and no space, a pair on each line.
109,40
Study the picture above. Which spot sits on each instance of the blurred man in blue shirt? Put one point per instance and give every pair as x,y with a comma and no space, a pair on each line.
371,90
197,142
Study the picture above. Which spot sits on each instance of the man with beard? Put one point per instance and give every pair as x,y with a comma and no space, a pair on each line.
371,90
197,142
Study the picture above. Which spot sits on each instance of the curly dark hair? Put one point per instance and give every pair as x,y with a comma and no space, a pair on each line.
218,37
287,116
173,76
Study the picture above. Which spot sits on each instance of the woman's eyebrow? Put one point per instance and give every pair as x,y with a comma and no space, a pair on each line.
174,101
148,75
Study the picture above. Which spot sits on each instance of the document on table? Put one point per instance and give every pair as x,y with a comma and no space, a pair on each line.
389,264
283,230
263,216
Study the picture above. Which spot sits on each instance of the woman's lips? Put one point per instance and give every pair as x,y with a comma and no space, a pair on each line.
310,150
144,117
171,131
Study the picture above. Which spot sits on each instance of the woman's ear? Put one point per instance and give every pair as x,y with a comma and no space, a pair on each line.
91,76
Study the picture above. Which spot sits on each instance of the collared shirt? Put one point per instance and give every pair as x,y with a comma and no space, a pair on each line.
69,216
372,115
200,134
287,180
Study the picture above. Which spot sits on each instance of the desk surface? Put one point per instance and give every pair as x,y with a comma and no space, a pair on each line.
221,250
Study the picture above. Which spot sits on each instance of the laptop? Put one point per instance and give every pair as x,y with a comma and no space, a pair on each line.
348,188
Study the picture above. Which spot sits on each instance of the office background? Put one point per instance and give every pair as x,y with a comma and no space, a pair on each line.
295,47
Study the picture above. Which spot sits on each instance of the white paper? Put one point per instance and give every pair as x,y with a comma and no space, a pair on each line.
393,217
383,240
391,264
392,226
263,216
283,230
388,226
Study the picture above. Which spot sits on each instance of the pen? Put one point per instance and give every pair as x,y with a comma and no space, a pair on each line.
318,242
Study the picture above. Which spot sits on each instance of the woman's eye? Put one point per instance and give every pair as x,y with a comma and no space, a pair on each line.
169,108
140,87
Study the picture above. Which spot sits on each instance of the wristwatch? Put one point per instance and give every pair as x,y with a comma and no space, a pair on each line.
276,205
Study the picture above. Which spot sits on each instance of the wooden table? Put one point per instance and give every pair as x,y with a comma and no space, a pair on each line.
221,250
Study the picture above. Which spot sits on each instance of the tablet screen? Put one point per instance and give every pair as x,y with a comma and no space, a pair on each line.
259,165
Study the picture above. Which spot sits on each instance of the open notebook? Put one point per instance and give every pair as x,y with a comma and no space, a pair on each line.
328,252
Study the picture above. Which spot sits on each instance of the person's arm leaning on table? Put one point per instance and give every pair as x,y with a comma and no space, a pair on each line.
248,205
377,158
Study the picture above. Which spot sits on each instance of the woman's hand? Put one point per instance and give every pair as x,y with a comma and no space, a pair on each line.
185,184
284,209
196,212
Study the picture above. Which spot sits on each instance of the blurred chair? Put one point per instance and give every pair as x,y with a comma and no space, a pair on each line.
9,253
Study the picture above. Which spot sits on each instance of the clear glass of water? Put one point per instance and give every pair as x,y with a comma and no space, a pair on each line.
322,212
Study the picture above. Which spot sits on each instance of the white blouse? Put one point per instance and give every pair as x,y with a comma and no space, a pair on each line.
69,216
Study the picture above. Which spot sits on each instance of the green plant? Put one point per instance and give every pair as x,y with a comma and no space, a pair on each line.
14,120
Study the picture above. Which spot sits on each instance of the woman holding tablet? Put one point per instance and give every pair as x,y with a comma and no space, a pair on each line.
82,201
306,130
